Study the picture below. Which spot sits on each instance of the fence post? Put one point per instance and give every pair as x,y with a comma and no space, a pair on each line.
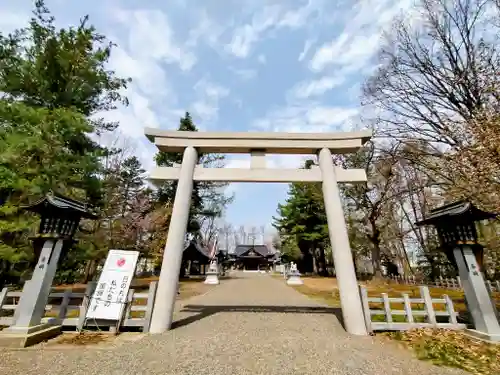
387,308
489,286
366,308
451,283
459,282
429,308
408,312
149,307
89,290
3,296
63,309
128,307
451,309
16,302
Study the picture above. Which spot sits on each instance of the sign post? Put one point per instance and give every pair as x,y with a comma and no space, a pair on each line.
110,295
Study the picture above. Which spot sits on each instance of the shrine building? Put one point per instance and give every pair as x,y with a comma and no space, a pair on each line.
253,257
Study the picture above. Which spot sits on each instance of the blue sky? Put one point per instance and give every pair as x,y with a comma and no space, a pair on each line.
236,65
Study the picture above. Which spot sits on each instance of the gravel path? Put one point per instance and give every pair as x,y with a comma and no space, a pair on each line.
252,324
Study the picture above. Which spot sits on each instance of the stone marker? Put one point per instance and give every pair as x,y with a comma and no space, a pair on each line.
212,274
294,276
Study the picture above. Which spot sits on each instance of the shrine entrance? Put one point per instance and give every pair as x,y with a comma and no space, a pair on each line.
258,145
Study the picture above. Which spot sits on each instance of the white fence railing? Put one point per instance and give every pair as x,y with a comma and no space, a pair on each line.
68,308
409,313
446,283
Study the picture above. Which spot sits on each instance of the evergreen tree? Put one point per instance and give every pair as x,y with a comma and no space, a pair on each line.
131,182
208,198
53,83
303,226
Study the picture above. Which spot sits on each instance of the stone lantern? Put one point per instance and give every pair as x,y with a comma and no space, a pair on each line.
59,222
455,225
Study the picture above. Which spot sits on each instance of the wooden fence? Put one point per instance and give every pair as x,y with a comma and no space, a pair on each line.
446,283
69,308
400,314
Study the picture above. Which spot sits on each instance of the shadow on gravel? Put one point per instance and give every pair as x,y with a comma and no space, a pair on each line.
206,310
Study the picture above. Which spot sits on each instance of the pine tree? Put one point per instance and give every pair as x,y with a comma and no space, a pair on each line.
53,82
131,182
302,225
208,198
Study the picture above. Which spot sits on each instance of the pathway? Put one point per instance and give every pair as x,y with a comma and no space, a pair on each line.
252,324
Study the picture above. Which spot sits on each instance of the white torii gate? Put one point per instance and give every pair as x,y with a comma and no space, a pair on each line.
258,145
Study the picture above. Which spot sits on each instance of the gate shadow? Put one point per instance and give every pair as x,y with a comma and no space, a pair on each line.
203,311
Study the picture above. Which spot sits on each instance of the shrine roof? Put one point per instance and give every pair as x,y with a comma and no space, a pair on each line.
51,201
198,248
462,210
260,250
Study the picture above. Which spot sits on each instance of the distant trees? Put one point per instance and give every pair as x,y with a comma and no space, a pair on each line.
433,103
436,99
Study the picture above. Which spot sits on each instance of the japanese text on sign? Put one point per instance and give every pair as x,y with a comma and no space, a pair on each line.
110,296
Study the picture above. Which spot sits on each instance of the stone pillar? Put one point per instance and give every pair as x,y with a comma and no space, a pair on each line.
172,255
478,298
36,292
350,300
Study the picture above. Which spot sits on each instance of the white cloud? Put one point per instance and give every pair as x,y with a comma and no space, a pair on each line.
297,18
316,87
270,18
147,74
307,46
208,30
151,36
307,117
209,96
136,117
245,36
359,41
262,59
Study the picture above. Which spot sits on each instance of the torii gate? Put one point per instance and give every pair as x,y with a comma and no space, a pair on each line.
258,145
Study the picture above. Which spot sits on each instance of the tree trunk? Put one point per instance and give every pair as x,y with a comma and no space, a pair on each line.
312,252
376,251
86,273
92,271
322,261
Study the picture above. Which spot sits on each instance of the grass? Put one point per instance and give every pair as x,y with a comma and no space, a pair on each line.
441,347
81,339
451,348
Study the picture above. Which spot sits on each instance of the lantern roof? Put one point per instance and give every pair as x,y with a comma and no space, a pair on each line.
461,211
54,202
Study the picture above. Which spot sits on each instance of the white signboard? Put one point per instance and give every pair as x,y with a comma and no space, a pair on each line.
110,295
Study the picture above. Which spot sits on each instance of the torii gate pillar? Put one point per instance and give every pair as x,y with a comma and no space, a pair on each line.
352,309
172,255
